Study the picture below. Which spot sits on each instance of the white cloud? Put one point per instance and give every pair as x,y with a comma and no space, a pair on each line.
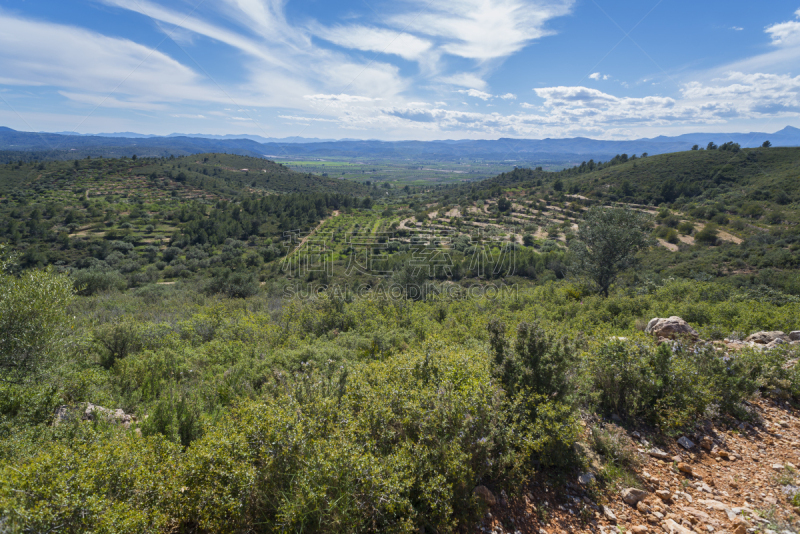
476,94
286,64
598,76
340,98
737,28
785,33
85,65
464,80
509,96
380,40
483,29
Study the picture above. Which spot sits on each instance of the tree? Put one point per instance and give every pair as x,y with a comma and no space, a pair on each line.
766,144
696,147
607,243
503,204
711,146
558,185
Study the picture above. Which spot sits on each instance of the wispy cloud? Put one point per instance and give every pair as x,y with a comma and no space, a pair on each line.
483,29
474,93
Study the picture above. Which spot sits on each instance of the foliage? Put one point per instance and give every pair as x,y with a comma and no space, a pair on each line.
33,321
233,284
607,244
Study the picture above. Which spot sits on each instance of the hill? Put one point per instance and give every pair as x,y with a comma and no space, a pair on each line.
115,217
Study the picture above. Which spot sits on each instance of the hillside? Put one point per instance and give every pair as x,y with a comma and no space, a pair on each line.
125,222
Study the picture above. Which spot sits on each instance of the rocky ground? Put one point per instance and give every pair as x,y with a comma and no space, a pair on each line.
735,480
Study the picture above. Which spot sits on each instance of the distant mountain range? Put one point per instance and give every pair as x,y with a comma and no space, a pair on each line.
256,138
523,150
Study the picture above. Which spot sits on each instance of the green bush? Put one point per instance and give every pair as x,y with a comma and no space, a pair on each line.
95,280
708,235
233,284
34,323
686,228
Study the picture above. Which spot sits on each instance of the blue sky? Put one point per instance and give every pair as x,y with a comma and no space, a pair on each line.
401,69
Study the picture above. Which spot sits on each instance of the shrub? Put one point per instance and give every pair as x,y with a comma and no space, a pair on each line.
686,228
33,320
116,341
233,284
622,377
97,280
708,235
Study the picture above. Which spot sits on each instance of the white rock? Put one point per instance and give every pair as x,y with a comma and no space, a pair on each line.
655,452
670,328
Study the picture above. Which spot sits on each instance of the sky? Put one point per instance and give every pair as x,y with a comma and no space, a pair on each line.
401,69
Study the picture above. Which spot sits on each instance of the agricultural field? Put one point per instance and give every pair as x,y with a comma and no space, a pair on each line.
419,173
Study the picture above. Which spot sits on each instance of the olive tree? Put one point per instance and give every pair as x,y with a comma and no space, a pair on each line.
607,243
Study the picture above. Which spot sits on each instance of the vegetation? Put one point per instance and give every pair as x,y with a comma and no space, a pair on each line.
367,375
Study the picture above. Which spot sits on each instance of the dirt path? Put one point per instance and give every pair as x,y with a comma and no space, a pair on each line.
314,231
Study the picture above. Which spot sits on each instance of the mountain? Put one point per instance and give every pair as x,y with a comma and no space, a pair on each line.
523,150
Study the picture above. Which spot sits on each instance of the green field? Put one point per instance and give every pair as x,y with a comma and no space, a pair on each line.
412,173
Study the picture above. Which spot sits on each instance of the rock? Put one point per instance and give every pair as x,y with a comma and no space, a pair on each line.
62,415
486,495
794,336
674,528
775,343
118,416
764,338
638,529
609,513
586,479
777,467
643,508
685,468
92,412
716,505
655,452
632,496
685,442
670,328
739,529
707,443
664,495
